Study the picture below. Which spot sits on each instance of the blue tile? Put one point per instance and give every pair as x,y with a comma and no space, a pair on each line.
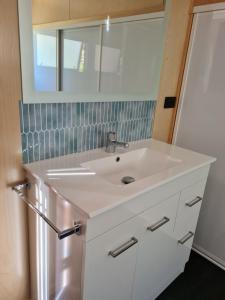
94,113
73,114
90,113
57,145
42,145
31,116
86,113
50,130
74,140
52,143
67,140
54,116
36,147
69,115
59,116
64,115
61,142
70,141
82,114
25,118
37,110
99,137
79,139
113,112
24,142
91,140
47,145
95,140
98,112
106,112
78,109
30,147
49,116
43,116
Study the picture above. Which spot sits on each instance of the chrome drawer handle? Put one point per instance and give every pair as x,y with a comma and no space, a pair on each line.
194,201
124,247
20,189
158,224
187,237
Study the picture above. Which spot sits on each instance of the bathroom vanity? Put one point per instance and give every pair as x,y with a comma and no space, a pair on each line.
131,240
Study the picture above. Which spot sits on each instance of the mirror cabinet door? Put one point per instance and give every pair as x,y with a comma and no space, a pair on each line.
45,60
131,56
81,60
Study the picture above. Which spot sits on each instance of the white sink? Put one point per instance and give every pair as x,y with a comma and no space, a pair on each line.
137,164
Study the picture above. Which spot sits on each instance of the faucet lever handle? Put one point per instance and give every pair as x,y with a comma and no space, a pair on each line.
111,136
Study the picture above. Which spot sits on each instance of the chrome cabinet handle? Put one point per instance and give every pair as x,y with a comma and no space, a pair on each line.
187,237
124,247
158,224
20,190
194,201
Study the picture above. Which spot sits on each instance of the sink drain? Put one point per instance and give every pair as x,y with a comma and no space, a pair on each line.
127,179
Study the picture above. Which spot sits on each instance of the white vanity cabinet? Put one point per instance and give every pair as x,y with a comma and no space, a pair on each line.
163,237
131,249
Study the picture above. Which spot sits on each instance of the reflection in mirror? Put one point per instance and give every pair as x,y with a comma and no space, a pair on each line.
115,56
81,60
45,66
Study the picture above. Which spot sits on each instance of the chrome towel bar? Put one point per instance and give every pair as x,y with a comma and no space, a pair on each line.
21,188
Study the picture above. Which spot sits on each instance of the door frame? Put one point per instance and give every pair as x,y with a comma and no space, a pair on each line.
196,11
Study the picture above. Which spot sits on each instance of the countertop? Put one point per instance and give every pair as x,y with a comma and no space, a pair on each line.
92,194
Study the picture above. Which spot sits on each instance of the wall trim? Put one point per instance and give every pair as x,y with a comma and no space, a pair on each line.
209,7
209,256
184,80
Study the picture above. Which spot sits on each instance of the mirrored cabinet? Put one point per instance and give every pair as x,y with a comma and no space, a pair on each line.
97,58
121,57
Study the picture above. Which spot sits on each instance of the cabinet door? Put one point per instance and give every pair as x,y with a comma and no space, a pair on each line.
157,260
81,61
110,263
187,218
131,57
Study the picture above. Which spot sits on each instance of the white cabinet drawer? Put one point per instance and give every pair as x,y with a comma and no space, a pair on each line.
110,263
156,261
187,218
189,208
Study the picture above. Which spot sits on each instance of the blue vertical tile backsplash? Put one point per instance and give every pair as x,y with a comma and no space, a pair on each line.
56,129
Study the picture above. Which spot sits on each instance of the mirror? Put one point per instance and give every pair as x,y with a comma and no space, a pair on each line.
71,54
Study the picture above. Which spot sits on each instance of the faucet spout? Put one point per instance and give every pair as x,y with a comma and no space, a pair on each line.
122,144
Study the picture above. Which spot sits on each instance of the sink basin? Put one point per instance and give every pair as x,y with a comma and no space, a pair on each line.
136,164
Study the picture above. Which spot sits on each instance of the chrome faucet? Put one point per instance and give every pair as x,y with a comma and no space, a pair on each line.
112,143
